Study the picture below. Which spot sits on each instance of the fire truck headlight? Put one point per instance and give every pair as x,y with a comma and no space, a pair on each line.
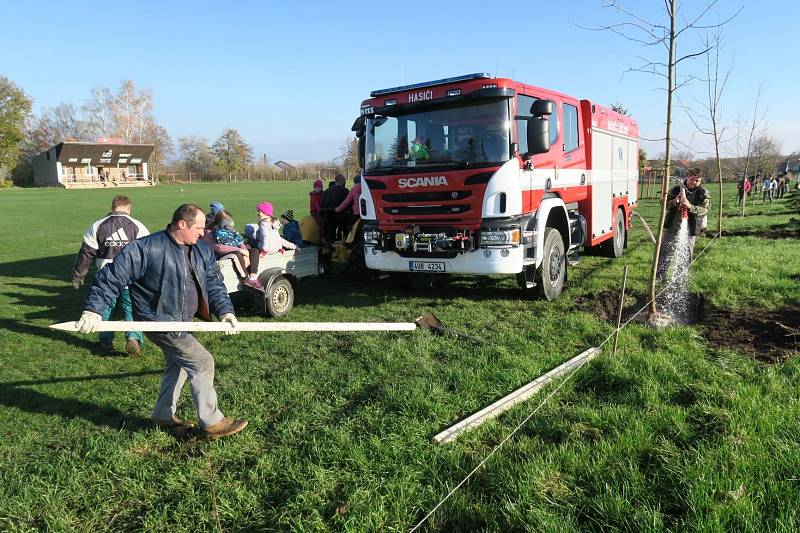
500,237
372,236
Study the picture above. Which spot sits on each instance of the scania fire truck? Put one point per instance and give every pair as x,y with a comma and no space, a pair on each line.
482,175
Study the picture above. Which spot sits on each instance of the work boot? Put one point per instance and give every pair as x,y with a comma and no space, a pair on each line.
106,348
132,348
174,423
225,427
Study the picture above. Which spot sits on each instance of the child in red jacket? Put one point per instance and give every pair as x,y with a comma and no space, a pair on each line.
314,202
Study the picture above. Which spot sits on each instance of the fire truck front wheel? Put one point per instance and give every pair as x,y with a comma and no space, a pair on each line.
552,273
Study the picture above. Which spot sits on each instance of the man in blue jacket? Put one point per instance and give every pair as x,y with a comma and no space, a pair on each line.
172,275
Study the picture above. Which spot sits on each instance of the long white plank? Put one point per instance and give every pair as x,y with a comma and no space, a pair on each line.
121,325
520,395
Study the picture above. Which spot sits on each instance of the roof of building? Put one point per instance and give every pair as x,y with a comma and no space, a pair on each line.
96,154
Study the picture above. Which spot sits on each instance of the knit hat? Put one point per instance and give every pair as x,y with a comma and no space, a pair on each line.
266,208
288,215
318,183
216,207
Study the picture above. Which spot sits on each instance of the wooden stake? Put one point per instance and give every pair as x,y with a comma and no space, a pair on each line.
122,325
621,304
520,395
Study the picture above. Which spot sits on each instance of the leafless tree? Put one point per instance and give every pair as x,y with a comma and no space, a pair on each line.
348,157
195,154
766,153
663,35
748,151
126,114
708,122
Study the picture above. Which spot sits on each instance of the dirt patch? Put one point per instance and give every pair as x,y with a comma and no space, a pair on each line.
790,230
604,305
769,335
774,233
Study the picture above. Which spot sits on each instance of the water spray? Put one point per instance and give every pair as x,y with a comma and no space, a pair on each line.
684,210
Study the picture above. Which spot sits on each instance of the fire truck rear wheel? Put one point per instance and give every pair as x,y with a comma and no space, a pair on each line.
616,245
552,273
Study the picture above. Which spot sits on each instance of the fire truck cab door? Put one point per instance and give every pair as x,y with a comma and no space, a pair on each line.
535,181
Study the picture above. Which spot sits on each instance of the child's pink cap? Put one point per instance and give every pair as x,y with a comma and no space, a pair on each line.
265,207
318,183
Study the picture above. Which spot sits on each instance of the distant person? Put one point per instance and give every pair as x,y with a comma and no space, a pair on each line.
331,199
172,275
314,202
102,241
743,188
774,189
349,210
688,198
291,229
766,190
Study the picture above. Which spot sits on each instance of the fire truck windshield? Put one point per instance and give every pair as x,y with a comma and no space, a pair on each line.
438,137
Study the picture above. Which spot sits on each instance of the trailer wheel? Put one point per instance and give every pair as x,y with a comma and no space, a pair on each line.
279,298
552,273
616,245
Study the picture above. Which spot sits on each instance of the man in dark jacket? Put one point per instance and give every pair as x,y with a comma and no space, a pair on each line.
172,275
688,199
331,199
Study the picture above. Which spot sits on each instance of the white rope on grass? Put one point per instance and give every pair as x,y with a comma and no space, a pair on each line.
538,407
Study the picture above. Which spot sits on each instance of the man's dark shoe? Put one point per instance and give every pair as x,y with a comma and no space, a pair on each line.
106,348
174,423
132,348
225,427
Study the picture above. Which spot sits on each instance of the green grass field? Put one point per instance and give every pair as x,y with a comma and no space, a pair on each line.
675,432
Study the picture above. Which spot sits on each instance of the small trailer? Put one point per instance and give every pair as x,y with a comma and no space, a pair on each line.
278,274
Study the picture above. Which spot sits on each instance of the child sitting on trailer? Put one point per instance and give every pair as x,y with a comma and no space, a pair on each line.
267,241
229,241
291,229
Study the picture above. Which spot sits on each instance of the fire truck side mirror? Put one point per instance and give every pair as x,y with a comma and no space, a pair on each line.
360,128
538,135
542,107
539,127
361,151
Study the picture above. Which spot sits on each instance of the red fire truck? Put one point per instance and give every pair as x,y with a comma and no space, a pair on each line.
483,175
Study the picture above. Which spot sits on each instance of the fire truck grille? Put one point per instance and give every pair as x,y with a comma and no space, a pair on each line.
427,196
427,210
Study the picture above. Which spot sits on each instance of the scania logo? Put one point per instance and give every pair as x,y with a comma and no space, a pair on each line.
427,181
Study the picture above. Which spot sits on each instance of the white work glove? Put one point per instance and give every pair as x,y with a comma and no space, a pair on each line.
230,319
89,322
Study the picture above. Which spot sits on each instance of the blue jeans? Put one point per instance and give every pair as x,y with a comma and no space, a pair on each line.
106,337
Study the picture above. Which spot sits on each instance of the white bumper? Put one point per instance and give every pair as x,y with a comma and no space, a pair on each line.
481,261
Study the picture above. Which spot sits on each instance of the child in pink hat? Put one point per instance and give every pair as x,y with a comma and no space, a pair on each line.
268,240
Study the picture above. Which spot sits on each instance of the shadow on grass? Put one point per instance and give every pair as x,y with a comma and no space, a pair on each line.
16,395
102,415
57,304
16,326
56,268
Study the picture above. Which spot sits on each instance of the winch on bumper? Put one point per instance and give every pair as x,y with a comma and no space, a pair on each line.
496,248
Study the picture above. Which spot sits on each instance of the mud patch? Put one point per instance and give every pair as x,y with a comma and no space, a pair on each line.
769,335
604,305
790,230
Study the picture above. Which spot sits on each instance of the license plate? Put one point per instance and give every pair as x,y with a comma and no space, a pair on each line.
426,266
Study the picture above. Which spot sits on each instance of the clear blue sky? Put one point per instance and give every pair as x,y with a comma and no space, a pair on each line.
290,76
